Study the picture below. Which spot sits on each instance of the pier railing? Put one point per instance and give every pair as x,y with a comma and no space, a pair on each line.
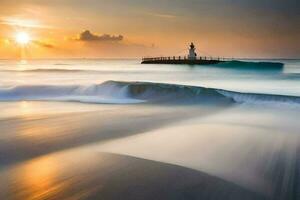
147,59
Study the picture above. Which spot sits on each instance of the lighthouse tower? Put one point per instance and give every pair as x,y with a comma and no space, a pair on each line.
192,52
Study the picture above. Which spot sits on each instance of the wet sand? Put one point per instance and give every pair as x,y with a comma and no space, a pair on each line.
86,175
255,147
149,152
31,135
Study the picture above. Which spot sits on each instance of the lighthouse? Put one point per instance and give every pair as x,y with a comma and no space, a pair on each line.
188,59
192,52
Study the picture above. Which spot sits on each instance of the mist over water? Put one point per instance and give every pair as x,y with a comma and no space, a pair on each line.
85,129
87,72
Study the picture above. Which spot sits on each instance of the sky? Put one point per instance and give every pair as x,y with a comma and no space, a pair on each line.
137,28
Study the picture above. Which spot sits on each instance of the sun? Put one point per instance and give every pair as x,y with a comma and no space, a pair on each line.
22,38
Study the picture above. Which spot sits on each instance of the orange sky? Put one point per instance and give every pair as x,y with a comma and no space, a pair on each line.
132,28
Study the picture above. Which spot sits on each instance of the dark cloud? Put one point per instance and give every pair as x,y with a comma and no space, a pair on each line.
88,36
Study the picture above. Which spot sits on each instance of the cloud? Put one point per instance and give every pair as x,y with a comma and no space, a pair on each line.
162,15
17,22
88,36
43,44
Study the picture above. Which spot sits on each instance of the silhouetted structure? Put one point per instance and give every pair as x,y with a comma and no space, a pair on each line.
191,59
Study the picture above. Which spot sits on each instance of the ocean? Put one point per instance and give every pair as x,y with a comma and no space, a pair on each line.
87,72
117,129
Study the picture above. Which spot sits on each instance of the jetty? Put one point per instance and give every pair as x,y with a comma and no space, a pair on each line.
190,59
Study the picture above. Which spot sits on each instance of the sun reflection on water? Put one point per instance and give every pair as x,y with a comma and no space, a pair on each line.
36,179
60,175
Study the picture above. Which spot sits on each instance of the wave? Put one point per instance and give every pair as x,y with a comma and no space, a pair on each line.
53,70
235,64
60,70
114,92
101,93
194,94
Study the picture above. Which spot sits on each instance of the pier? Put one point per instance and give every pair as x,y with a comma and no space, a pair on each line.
184,60
191,59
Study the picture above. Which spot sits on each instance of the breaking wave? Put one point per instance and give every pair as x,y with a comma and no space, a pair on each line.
114,92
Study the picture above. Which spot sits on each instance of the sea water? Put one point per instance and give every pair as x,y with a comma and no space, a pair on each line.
87,72
236,123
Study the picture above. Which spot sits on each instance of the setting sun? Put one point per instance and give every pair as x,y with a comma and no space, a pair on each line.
22,38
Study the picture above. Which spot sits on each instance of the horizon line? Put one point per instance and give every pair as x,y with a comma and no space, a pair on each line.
136,58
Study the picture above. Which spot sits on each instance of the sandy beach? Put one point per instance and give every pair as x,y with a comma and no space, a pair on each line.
149,152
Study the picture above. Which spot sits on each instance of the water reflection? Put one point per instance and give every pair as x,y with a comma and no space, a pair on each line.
35,179
64,175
